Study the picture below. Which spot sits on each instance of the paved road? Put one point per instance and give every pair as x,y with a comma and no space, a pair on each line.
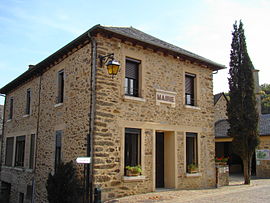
258,191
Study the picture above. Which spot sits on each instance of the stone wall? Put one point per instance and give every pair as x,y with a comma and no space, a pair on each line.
220,109
114,113
263,166
19,125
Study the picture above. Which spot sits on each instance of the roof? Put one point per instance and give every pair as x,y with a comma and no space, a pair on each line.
222,126
218,96
123,33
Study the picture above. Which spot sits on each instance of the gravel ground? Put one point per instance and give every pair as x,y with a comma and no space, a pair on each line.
257,191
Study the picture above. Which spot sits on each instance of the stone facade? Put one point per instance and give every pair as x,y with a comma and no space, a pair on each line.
220,108
114,113
263,166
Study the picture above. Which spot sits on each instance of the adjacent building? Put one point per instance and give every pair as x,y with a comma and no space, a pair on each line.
157,113
260,165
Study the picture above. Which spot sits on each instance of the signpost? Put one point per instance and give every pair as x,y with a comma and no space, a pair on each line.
85,161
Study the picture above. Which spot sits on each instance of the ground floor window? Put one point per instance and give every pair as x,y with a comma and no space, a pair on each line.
132,147
191,149
21,197
19,155
58,147
9,151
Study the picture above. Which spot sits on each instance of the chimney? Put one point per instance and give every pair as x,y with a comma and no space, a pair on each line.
30,67
257,90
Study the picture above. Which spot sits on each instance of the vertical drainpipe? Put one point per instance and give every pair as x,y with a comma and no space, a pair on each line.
90,136
37,134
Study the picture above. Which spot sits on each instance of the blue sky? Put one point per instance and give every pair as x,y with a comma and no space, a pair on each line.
31,30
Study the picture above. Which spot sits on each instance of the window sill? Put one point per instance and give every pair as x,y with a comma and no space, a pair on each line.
190,175
133,178
192,107
58,105
130,98
17,168
26,115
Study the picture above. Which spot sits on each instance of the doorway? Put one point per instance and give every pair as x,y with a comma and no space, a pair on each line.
159,159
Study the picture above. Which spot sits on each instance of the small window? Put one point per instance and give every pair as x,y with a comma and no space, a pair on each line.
132,78
19,155
60,94
190,89
58,146
9,151
10,115
28,102
191,149
132,147
32,151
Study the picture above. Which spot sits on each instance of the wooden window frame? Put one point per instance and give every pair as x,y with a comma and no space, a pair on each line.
190,97
28,102
193,137
32,151
60,86
20,151
132,83
9,151
58,148
11,108
129,146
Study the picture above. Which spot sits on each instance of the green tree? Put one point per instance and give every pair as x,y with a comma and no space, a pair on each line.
265,97
62,186
241,108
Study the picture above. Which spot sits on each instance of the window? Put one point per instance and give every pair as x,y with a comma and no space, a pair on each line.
191,149
21,197
32,151
132,147
132,77
10,115
60,80
9,151
19,155
28,102
189,89
58,145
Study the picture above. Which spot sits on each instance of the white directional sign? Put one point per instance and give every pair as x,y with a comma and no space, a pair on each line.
83,160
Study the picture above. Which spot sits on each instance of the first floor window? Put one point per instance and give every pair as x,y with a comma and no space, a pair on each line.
28,102
132,77
19,155
10,114
9,151
191,149
132,147
190,89
60,93
58,147
21,197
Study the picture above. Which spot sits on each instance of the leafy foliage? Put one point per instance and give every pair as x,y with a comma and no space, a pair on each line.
241,108
265,97
62,186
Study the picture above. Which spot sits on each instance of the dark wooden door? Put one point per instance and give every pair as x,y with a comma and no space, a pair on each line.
159,159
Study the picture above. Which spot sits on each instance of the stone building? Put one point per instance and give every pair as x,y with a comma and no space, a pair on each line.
260,168
1,119
157,113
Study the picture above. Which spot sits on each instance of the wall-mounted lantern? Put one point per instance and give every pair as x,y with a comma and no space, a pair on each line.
111,63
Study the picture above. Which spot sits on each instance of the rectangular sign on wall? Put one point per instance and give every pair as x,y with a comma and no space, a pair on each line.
263,154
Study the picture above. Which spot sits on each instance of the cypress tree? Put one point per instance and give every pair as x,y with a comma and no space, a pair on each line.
241,109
